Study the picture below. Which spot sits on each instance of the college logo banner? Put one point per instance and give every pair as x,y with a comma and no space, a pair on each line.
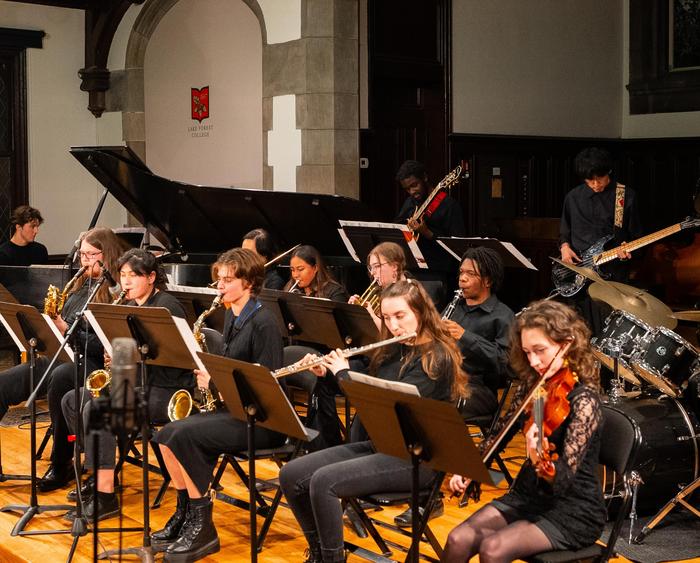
200,103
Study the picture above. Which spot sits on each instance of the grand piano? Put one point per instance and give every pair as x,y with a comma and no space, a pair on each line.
195,223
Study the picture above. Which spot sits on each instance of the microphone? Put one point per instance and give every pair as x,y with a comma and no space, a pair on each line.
123,395
114,287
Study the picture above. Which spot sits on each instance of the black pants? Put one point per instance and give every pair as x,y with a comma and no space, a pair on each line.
14,388
158,398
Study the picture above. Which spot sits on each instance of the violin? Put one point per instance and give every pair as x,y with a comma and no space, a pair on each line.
549,409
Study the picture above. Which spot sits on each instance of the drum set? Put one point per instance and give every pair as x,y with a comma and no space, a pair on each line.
656,384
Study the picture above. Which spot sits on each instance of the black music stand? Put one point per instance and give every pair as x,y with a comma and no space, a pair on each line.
161,341
511,256
252,394
320,321
418,430
360,237
31,331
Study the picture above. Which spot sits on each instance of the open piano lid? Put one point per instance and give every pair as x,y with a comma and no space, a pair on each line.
204,219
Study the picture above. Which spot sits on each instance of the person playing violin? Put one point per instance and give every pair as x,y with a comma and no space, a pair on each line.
555,503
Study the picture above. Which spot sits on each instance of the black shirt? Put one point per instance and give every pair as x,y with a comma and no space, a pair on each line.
446,221
12,254
273,279
589,216
485,341
161,376
253,337
84,338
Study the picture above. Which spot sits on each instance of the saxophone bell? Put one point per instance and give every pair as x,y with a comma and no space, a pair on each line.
55,299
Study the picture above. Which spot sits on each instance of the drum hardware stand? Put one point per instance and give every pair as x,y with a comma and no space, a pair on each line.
616,384
661,514
635,481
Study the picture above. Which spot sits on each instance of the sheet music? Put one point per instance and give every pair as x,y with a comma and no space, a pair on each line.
190,288
11,332
90,316
399,386
519,256
348,245
407,234
192,345
59,336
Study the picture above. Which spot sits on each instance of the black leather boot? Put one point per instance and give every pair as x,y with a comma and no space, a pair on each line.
313,554
198,536
171,531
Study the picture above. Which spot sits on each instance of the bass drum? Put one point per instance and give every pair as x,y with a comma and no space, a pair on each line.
668,449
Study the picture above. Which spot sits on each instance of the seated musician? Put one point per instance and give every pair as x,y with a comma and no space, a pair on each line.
553,504
315,483
22,249
442,218
142,278
99,248
481,324
386,264
191,446
260,242
311,277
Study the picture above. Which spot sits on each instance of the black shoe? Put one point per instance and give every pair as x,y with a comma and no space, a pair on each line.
198,536
56,477
161,539
87,488
107,505
313,555
405,519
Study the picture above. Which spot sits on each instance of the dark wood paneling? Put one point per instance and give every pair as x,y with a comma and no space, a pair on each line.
537,172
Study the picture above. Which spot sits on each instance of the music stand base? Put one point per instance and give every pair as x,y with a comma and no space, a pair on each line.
10,477
28,512
144,553
661,514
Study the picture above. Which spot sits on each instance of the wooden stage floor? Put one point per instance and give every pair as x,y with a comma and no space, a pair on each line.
284,542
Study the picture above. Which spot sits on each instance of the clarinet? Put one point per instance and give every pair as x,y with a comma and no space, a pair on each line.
450,309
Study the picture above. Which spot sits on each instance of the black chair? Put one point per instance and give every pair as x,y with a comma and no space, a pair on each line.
618,449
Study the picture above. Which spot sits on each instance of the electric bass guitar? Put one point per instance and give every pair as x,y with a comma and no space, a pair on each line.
568,283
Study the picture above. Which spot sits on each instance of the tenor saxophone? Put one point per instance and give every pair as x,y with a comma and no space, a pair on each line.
100,379
181,402
55,299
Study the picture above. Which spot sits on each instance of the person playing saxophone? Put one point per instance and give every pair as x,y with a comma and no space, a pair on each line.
99,250
191,446
142,281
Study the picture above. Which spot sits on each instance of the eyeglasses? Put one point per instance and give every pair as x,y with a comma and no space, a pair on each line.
371,268
89,254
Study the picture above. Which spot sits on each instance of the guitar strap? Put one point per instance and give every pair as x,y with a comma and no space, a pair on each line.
619,205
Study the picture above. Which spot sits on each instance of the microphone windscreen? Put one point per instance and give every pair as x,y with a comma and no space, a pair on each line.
123,396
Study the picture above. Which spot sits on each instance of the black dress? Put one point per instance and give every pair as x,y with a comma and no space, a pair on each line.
570,511
198,440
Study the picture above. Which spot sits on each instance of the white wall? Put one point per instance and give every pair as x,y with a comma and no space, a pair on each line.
677,124
215,43
57,118
550,67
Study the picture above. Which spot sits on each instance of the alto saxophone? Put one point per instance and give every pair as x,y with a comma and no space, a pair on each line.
100,379
55,299
181,402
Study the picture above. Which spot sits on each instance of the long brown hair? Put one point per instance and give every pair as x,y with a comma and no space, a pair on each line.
561,324
323,277
443,358
112,248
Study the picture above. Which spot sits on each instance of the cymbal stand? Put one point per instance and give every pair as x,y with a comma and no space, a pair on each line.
617,386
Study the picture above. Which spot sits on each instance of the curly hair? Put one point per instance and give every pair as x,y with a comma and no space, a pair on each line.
561,324
443,358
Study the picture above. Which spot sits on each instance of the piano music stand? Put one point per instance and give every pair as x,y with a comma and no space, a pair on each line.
320,321
30,331
160,342
360,237
511,256
418,430
253,395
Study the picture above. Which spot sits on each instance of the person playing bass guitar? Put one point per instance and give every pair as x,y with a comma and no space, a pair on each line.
597,208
